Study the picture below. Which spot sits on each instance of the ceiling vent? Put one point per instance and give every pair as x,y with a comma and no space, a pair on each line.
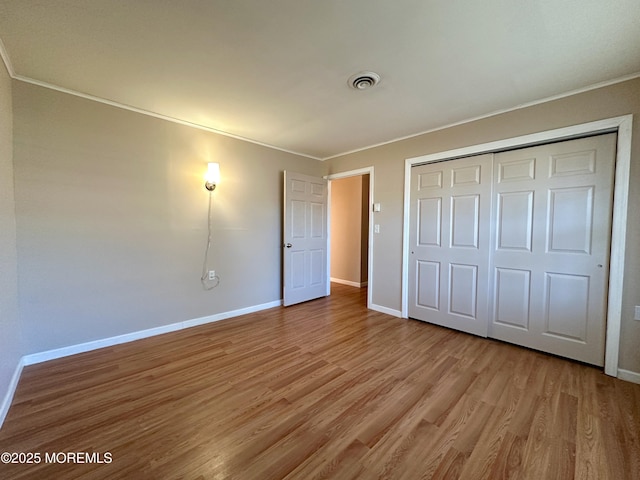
364,80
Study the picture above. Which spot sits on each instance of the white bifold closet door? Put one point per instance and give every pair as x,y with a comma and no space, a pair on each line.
550,263
450,232
547,255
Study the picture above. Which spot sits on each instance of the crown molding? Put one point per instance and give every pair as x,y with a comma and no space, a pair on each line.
588,88
6,60
12,74
154,114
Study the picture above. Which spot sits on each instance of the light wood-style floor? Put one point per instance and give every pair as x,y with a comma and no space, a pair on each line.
325,389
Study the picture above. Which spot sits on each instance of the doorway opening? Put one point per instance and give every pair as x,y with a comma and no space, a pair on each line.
350,229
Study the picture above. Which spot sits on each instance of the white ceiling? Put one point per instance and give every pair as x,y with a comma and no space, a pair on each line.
275,72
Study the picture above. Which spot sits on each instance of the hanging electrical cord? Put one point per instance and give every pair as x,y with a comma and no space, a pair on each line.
208,283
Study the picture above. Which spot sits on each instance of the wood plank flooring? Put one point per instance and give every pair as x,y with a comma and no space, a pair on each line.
326,389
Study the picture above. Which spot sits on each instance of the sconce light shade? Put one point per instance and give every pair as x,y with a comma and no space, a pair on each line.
212,177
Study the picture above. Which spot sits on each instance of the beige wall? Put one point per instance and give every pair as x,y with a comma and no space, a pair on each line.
388,161
346,231
10,332
112,213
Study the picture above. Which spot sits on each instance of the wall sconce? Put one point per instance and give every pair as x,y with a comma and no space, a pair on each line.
212,177
209,278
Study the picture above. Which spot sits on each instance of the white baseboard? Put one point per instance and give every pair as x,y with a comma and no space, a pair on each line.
348,282
234,313
11,390
96,344
34,358
629,376
388,311
130,337
108,342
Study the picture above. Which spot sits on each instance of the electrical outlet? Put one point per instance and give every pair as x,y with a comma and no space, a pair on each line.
376,228
637,315
212,274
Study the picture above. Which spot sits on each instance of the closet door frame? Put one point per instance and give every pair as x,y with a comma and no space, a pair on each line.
622,126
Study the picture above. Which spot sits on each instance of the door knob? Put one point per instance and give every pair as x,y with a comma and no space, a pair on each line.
288,245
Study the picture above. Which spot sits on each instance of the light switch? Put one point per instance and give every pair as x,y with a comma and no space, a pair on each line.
376,207
637,315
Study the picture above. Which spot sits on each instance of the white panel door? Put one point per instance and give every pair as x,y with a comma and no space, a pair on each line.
305,238
449,243
550,261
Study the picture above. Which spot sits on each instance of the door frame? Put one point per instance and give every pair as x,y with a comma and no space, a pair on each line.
354,173
623,127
